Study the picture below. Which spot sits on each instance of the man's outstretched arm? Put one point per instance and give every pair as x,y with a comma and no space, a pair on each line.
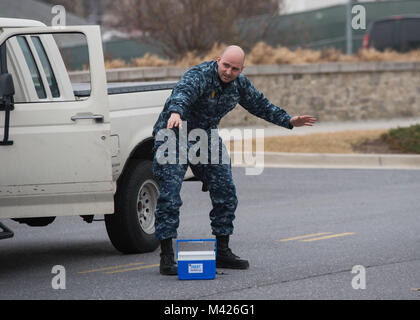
255,102
299,121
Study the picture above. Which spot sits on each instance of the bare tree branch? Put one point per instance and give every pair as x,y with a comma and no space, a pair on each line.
181,26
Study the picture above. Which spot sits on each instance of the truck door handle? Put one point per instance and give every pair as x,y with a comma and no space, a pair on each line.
97,117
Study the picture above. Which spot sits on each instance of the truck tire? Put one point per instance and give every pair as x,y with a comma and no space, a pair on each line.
131,228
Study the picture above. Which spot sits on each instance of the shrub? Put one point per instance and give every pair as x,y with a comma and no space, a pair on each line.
405,139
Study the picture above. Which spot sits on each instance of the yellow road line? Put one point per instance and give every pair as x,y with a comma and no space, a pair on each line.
113,267
132,269
304,236
329,237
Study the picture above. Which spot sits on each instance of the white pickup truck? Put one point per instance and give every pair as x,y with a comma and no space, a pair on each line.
74,149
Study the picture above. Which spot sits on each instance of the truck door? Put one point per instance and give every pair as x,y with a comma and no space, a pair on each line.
55,157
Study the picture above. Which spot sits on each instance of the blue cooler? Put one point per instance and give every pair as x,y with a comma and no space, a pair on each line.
196,264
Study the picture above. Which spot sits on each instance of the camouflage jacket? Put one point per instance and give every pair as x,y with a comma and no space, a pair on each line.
201,100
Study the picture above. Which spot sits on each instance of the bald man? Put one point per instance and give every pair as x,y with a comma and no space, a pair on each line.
200,99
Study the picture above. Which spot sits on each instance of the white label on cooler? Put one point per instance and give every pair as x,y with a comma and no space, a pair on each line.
195,268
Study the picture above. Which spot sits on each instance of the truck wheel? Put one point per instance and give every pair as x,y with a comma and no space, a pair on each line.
131,228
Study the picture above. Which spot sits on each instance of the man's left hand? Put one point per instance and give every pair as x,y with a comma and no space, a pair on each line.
300,121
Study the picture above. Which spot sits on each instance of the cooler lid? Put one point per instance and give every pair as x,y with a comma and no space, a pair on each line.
196,255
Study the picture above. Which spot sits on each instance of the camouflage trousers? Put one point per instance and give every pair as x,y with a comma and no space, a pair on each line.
217,177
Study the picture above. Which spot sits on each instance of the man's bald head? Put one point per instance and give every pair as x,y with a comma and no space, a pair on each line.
234,52
231,63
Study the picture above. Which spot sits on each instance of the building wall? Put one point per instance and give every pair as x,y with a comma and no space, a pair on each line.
293,6
339,91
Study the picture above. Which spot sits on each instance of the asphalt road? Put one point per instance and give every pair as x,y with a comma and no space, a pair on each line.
303,231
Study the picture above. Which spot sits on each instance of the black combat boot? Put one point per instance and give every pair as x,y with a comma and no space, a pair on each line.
225,258
167,261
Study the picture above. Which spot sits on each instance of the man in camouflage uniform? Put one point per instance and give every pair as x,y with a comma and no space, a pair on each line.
201,98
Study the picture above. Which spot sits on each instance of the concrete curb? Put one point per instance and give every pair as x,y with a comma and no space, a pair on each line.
327,160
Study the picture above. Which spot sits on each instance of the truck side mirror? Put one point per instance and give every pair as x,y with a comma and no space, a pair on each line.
6,85
7,90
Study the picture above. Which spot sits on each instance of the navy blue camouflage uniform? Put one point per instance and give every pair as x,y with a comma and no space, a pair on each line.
202,99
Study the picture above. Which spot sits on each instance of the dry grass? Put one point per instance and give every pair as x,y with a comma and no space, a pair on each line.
262,53
115,63
149,60
332,142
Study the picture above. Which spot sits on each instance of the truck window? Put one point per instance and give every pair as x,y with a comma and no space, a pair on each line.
49,73
409,35
30,61
49,67
383,35
74,51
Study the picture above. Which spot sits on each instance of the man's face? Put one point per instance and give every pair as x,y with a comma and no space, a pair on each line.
229,67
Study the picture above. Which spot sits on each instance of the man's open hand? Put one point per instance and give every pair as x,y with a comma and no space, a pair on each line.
174,120
300,121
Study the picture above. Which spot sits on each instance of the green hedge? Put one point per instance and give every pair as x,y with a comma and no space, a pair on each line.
404,139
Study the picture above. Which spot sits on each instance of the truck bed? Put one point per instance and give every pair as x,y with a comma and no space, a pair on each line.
83,89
